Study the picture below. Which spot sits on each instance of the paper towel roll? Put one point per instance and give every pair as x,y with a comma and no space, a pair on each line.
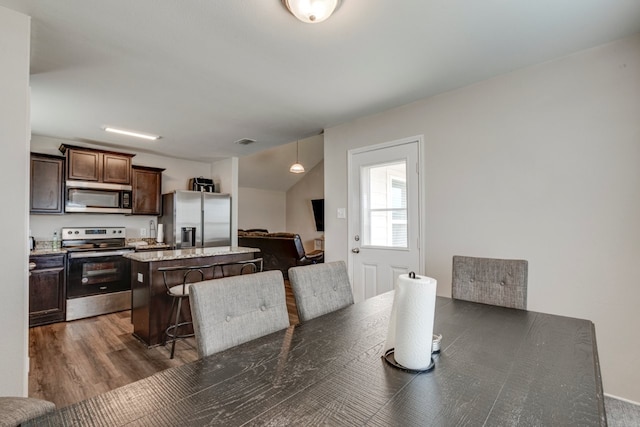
411,323
160,235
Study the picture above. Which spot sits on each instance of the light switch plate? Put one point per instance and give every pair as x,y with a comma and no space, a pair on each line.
342,213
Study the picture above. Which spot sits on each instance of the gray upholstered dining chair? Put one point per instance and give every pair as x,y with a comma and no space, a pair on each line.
17,410
232,310
320,288
501,282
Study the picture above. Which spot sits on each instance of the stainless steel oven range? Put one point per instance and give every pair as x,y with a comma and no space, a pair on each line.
98,276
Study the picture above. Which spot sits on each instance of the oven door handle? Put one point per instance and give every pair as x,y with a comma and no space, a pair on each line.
75,255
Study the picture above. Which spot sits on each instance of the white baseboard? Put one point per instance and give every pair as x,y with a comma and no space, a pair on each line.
622,398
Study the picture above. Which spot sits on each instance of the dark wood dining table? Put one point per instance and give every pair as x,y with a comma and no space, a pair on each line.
497,367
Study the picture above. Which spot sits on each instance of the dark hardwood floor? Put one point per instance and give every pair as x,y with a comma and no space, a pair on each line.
72,361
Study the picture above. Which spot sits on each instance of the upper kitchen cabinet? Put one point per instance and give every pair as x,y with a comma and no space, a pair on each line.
86,164
116,168
147,190
46,184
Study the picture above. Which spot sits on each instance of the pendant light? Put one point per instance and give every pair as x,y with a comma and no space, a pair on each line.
296,167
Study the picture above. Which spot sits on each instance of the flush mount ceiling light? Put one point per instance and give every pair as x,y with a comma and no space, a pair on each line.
131,133
311,11
296,167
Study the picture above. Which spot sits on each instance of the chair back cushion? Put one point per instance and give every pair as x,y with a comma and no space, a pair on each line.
17,410
320,288
232,310
501,282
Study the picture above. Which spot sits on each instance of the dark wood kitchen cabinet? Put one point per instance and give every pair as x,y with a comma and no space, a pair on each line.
46,184
116,168
147,190
85,164
47,296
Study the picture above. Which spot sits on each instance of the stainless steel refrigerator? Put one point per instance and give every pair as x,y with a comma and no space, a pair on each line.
196,219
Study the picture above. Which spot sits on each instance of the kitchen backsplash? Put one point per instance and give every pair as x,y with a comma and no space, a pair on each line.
43,226
48,244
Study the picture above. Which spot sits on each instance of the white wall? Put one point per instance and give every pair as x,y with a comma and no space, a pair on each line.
175,177
259,208
299,210
540,164
14,164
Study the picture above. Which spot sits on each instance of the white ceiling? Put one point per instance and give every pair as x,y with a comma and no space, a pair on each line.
205,73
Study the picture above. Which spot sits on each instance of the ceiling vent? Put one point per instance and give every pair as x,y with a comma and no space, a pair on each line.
245,141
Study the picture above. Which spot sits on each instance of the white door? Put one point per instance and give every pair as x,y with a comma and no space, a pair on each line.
384,217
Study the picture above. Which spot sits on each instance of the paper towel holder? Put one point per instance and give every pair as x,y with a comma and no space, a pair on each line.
389,355
390,359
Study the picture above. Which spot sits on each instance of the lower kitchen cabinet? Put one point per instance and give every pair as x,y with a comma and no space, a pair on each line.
47,296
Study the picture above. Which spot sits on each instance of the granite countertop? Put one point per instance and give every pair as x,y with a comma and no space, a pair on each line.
157,246
149,256
47,251
148,247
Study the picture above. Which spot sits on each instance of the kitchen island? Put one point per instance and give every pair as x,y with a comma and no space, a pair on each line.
150,304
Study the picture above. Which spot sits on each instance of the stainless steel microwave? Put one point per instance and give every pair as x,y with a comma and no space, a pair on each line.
97,197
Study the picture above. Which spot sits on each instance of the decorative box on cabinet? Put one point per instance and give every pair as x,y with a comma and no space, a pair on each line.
147,190
86,164
46,184
47,293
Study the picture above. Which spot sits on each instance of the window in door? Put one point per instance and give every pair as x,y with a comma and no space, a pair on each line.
385,205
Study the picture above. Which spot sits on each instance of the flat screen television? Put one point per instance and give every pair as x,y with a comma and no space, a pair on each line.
318,213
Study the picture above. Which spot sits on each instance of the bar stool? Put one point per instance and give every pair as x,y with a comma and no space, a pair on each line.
178,293
246,267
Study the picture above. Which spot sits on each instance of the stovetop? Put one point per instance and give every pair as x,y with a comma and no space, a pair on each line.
93,238
93,233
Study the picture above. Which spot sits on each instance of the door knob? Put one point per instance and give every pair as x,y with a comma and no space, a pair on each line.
355,250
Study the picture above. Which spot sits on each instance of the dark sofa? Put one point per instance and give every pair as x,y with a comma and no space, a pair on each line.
280,251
